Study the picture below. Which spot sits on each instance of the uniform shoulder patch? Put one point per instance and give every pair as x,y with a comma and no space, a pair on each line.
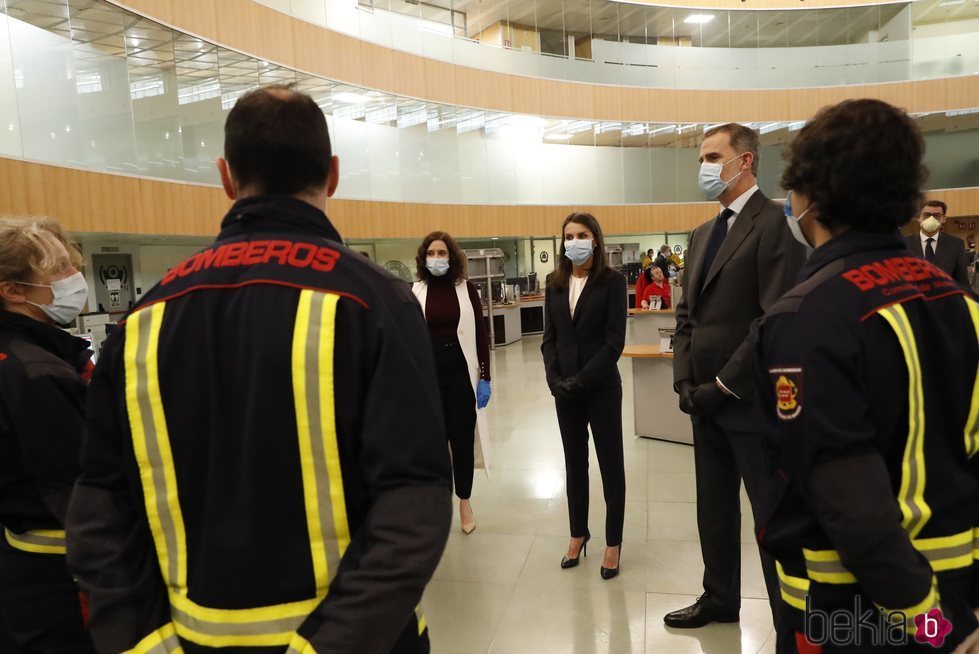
788,392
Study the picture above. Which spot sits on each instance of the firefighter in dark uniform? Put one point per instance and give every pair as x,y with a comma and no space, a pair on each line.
264,467
44,372
872,419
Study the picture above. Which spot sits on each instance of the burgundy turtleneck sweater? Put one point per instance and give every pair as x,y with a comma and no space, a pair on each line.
442,315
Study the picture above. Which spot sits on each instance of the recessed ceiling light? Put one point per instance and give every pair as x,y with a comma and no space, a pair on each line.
951,3
699,18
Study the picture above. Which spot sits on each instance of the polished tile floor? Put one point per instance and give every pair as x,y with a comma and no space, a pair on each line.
501,590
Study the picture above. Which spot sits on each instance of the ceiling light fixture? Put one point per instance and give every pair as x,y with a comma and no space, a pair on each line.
699,18
350,98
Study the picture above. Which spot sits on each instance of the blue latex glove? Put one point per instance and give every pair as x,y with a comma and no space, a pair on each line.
482,394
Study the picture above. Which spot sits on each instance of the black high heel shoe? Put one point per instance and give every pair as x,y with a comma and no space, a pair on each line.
611,573
570,563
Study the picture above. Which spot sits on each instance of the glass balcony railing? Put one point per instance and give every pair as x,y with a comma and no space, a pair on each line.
608,42
89,85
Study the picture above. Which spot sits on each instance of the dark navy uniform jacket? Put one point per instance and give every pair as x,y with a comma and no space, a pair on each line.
265,465
43,378
868,384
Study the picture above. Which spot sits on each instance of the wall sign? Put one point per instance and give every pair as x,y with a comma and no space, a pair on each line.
543,257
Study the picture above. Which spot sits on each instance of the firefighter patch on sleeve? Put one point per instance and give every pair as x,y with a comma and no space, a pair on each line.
788,392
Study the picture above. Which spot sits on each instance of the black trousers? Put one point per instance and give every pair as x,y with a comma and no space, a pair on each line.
39,604
459,410
722,459
602,409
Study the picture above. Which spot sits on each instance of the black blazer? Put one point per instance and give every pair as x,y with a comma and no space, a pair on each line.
758,262
949,255
588,346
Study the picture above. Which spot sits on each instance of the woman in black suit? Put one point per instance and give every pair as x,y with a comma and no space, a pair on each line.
584,333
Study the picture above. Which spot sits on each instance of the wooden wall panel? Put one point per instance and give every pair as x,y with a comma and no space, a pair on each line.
268,34
87,201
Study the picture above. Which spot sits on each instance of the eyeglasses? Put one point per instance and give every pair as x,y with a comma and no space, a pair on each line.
926,214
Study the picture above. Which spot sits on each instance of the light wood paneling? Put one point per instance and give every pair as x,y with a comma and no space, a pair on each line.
263,32
87,201
760,4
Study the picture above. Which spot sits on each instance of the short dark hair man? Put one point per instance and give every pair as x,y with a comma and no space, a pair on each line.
932,244
265,463
740,263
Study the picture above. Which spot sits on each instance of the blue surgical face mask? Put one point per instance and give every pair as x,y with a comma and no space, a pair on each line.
437,266
710,181
579,250
794,222
70,295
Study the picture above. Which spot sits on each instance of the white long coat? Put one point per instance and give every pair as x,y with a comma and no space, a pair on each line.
466,332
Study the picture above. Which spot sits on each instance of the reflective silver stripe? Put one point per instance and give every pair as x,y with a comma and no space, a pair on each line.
158,475
38,542
218,629
316,430
169,645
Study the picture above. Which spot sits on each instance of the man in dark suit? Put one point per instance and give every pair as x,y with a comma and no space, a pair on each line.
739,264
944,250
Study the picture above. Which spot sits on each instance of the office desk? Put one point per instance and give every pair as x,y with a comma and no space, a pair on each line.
656,406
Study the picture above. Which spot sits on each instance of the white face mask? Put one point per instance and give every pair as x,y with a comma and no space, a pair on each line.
710,181
931,224
437,266
579,250
794,222
70,295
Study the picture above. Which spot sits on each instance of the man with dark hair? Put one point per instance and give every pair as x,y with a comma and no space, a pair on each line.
663,260
867,376
265,465
740,263
932,244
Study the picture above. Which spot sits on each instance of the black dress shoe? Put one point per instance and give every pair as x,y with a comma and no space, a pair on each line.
698,615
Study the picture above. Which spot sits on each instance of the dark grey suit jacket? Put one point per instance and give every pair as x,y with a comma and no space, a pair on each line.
758,262
949,255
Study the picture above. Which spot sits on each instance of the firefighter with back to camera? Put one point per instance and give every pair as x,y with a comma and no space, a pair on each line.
265,466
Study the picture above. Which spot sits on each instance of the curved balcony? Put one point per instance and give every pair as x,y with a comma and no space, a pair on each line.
629,44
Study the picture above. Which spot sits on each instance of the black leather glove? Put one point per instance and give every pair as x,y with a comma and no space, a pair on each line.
566,388
685,389
708,397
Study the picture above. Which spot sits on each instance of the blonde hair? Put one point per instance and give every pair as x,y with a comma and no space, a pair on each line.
27,248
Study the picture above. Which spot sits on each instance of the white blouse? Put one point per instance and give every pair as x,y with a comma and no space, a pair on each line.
575,286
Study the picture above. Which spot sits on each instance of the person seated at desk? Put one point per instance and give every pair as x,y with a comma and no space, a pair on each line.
655,286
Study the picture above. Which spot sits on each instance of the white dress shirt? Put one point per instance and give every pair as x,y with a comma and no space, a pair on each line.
575,286
924,242
738,205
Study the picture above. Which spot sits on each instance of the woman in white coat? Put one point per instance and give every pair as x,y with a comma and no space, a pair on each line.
454,314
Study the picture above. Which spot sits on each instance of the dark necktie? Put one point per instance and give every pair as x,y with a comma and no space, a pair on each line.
717,236
929,249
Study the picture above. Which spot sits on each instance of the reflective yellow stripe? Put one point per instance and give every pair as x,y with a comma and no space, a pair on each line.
313,391
38,541
972,426
943,553
257,627
162,641
299,645
825,567
151,443
947,552
793,589
931,601
911,496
